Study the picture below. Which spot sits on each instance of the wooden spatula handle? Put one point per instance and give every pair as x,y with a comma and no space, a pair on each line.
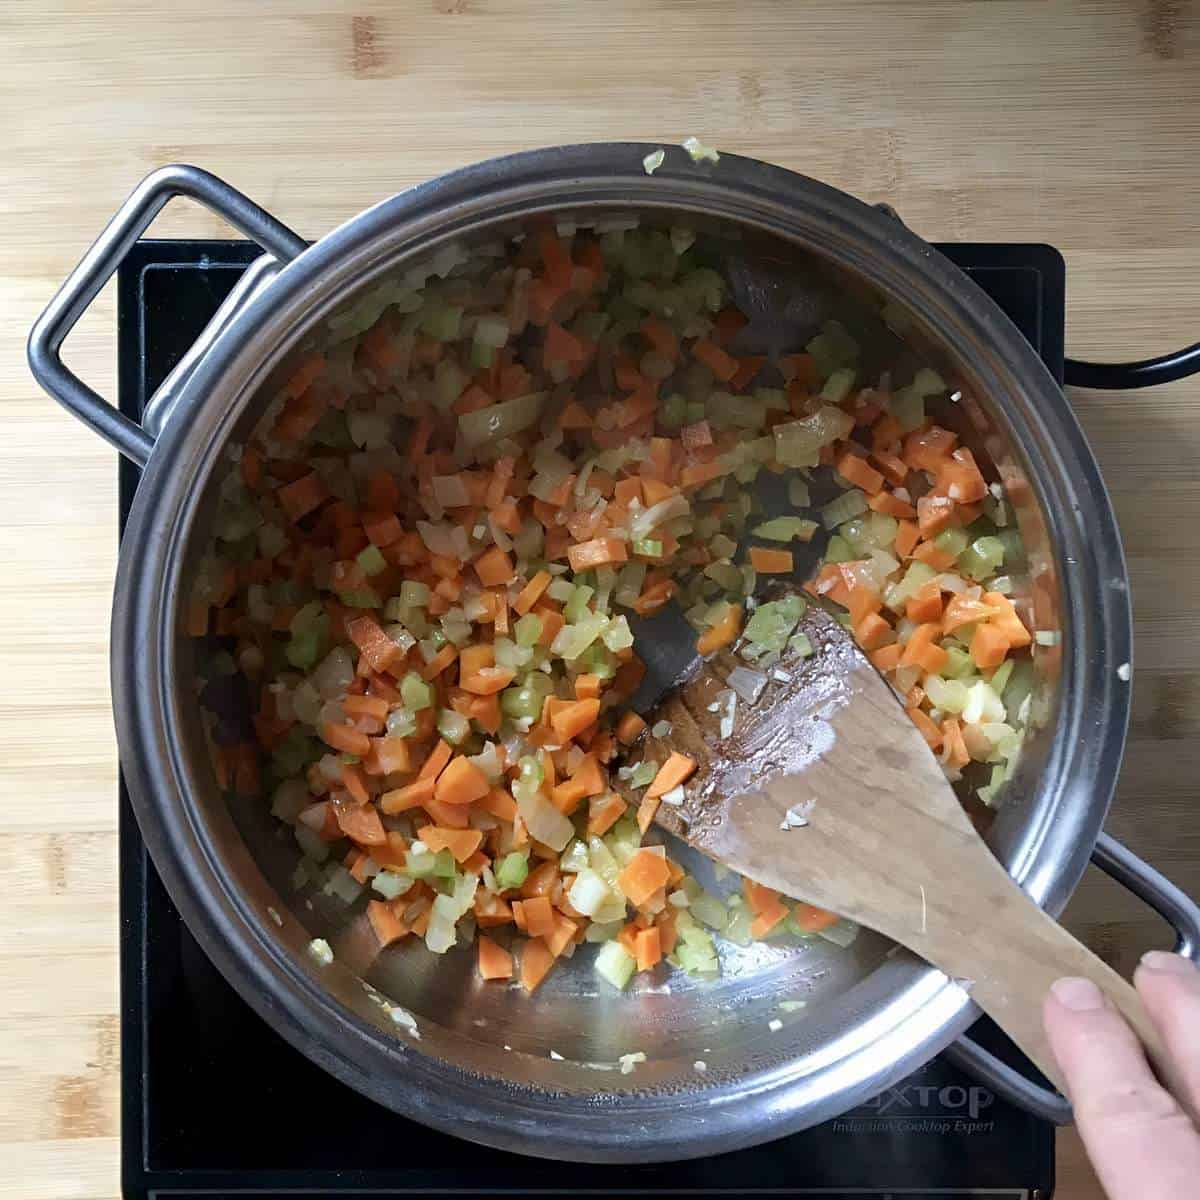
1009,969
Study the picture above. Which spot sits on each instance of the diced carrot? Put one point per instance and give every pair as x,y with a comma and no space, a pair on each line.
887,658
587,686
661,337
603,813
872,632
861,600
462,782
439,662
698,474
961,479
921,639
599,552
925,605
536,960
566,796
929,731
575,718
345,738
491,910
552,623
412,795
494,961
361,823
541,880
678,769
494,567
927,450
934,513
462,843
722,632
630,728
562,935
354,783
376,647
530,593
811,919
439,756
643,875
933,556
383,529
387,926
723,366
954,748
856,470
449,816
962,610
647,811
500,804
908,534
1005,619
891,506
766,905
771,562
539,916
574,416
302,495
648,948
989,646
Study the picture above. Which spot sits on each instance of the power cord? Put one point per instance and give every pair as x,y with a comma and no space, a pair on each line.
1146,373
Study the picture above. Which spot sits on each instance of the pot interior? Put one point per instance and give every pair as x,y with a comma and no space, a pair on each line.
782,1010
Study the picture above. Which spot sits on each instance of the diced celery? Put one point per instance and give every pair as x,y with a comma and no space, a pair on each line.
577,605
441,321
673,411
526,701
443,865
420,864
615,964
838,550
947,694
303,649
361,598
502,420
983,557
643,774
710,910
1001,676
848,504
953,541
513,870
915,577
574,858
837,386
572,640
528,630
617,635
414,594
390,884
833,347
799,443
785,529
415,692
371,560
800,645
960,663
773,622
453,726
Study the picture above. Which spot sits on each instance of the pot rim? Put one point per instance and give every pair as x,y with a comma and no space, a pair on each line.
914,1011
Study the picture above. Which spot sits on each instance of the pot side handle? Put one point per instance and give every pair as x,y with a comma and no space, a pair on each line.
1170,902
101,261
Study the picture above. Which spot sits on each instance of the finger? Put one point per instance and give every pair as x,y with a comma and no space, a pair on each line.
1140,1141
1169,985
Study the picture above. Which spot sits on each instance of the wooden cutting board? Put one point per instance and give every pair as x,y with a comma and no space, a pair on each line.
1075,124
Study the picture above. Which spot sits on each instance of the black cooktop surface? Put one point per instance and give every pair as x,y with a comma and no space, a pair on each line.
215,1103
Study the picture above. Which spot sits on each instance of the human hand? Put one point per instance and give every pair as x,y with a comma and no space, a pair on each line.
1142,1144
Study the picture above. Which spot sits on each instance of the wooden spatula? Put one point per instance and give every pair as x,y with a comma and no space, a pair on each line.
826,792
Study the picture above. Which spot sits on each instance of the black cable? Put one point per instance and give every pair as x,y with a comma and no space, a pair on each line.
1147,373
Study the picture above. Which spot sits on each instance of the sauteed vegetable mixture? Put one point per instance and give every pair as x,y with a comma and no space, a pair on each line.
425,563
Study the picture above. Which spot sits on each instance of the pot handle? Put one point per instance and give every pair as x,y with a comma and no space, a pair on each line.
1182,913
101,261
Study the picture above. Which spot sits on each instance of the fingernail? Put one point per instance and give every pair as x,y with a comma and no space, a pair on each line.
1080,995
1171,964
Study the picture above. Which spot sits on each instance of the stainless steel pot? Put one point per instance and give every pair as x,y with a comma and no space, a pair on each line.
539,1074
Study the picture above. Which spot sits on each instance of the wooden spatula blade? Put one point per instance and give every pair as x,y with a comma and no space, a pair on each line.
825,791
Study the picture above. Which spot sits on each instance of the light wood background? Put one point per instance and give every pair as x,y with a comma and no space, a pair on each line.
1071,123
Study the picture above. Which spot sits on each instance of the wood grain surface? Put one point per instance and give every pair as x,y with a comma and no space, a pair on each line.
1071,123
